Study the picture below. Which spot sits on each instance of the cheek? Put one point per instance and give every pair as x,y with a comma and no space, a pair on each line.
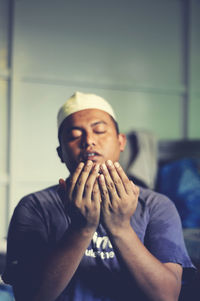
69,151
111,145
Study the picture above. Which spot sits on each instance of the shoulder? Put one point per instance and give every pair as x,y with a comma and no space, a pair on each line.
157,206
40,213
43,198
38,206
161,215
153,199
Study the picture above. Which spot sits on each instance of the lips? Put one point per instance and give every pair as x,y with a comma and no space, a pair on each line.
92,155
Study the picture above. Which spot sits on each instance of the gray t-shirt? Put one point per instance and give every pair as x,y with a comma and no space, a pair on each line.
39,223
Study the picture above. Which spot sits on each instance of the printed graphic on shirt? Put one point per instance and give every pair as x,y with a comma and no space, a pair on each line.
102,247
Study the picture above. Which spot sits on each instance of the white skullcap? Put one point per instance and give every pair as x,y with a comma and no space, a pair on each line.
81,101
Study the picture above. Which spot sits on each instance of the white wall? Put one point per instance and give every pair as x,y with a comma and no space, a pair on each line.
133,53
4,117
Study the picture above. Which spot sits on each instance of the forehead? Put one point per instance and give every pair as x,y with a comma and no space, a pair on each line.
87,117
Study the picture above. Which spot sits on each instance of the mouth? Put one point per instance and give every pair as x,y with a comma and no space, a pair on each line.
93,156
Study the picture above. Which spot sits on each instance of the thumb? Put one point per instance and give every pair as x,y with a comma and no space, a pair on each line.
62,184
62,189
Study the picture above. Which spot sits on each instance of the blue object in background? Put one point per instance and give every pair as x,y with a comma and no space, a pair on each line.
6,293
180,181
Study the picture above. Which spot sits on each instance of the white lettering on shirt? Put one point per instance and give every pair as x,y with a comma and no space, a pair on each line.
100,243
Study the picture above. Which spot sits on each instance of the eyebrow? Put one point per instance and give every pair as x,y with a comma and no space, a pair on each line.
73,128
98,122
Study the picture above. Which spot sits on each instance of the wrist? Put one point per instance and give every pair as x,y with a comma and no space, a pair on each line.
83,231
120,231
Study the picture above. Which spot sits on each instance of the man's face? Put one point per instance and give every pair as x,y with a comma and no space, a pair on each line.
89,135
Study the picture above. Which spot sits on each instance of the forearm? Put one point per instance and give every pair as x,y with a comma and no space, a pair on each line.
62,264
83,202
153,277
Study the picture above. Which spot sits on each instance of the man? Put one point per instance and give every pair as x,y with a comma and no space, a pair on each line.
95,236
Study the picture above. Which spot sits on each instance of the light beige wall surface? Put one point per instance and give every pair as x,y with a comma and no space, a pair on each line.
130,52
4,117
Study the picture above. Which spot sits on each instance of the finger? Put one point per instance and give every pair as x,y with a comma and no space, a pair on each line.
124,178
80,184
109,182
89,185
97,181
62,190
135,188
105,199
74,178
96,197
62,183
63,193
115,178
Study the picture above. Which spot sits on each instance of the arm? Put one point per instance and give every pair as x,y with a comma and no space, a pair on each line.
83,202
119,201
62,264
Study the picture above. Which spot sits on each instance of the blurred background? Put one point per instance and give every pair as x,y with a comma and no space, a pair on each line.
143,56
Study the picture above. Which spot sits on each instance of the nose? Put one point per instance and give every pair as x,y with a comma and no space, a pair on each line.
88,139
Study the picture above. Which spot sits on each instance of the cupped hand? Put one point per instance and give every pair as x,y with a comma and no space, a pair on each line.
82,196
119,197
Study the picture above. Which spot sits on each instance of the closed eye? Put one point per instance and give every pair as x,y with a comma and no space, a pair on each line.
99,132
71,138
74,134
100,128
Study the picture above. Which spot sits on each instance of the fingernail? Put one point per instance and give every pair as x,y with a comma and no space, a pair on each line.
103,166
89,163
117,164
109,162
81,164
101,177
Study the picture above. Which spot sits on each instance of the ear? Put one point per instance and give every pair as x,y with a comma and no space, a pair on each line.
122,141
59,152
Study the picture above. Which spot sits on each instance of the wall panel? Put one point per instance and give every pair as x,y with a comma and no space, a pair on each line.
194,114
4,116
4,41
195,47
100,42
3,127
194,105
3,210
